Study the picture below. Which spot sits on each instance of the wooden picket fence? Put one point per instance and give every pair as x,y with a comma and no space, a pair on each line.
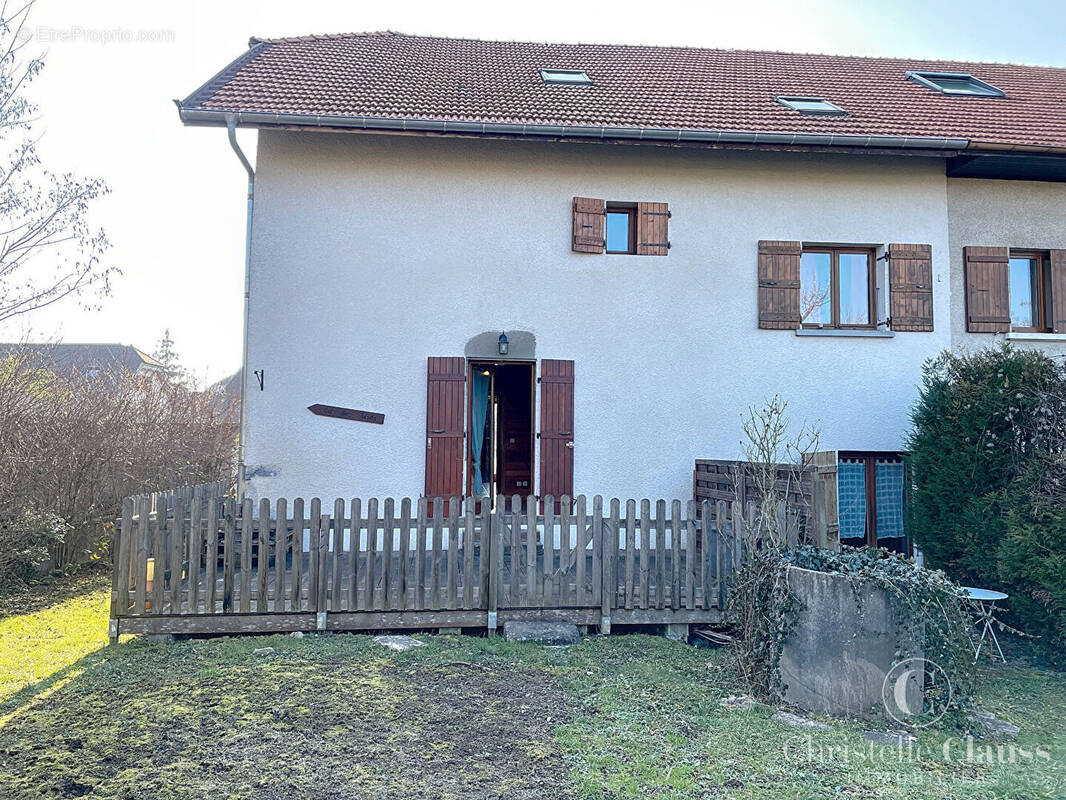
196,563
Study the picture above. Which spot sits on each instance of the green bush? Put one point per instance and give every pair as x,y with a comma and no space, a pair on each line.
27,542
1032,561
988,431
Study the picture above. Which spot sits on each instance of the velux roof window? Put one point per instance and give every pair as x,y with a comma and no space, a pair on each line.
812,106
955,83
566,77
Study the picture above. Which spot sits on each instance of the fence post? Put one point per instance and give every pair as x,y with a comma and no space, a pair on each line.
120,576
322,572
495,555
606,554
821,521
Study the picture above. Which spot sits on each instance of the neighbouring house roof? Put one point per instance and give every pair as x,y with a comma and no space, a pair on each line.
228,393
89,359
391,80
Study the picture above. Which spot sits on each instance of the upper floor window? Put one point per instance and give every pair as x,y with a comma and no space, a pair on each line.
1029,286
837,287
621,228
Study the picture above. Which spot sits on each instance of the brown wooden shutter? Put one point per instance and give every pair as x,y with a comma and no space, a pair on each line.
910,287
653,229
987,299
444,427
556,428
1058,291
589,225
779,285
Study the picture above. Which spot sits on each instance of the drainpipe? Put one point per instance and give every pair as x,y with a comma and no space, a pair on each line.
231,129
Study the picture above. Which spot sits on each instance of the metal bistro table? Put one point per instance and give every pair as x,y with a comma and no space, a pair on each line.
985,601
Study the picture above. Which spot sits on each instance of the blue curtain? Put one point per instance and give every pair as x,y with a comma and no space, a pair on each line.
851,499
477,434
888,478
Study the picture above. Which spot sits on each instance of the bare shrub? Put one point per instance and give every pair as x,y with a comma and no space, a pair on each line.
74,445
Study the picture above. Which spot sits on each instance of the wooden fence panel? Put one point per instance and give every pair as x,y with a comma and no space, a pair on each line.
186,554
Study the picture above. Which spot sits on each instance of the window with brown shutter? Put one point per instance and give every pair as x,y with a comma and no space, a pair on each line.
653,222
779,284
620,228
589,221
987,297
910,286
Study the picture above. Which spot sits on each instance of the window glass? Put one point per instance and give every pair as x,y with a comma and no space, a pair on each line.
1022,282
618,231
816,300
854,289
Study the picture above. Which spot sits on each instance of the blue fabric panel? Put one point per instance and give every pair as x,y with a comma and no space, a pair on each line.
851,499
888,481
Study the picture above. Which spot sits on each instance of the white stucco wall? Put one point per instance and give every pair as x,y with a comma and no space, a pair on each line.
371,253
1026,215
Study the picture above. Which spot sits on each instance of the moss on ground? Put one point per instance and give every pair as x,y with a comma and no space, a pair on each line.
338,717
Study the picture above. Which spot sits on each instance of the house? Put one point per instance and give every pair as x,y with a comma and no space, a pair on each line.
559,269
92,361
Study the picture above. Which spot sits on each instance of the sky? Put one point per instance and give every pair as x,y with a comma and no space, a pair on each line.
175,212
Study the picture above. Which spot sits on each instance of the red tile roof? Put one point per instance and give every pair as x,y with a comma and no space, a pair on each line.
399,77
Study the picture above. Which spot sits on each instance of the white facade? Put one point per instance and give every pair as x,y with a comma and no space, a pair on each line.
373,252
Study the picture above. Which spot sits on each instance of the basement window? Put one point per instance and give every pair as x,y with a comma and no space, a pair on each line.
812,106
955,83
565,77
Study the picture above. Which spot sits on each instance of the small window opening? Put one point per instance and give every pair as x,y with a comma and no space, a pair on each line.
812,106
621,228
955,83
567,77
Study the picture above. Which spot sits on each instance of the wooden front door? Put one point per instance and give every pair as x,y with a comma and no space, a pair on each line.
446,382
556,428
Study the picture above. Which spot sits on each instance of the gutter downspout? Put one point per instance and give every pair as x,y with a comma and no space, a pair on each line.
231,129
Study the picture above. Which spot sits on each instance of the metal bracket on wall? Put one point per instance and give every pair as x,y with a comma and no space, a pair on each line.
260,375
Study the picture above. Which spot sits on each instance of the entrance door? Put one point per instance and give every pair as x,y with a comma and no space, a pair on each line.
500,451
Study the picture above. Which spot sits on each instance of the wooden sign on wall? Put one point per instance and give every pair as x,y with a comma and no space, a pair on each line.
347,413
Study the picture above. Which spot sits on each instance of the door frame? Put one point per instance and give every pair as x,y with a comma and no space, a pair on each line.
471,365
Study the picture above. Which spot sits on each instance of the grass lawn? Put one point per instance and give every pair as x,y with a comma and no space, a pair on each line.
338,717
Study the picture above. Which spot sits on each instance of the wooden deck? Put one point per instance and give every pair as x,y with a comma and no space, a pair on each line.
187,563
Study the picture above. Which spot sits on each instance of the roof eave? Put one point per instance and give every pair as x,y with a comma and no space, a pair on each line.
203,116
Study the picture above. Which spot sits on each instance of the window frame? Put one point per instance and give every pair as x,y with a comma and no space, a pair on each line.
927,78
830,110
870,459
630,210
1041,289
834,252
554,77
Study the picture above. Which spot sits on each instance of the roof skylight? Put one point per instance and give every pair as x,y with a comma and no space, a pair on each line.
567,77
956,83
812,106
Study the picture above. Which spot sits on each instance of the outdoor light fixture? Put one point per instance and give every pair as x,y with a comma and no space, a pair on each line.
503,345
